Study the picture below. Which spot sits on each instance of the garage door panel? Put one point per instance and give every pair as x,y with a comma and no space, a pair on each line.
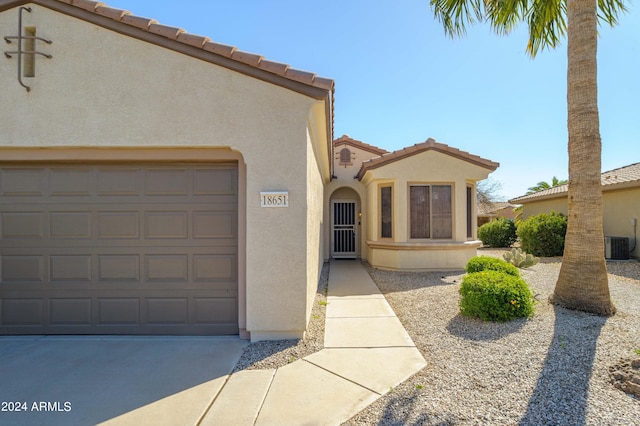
215,182
71,181
167,182
70,225
209,310
118,225
70,268
167,268
70,311
135,249
125,267
167,310
208,268
214,224
119,181
23,268
23,182
22,225
22,311
166,224
120,310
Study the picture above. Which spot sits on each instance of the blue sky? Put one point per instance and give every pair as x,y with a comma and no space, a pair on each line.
400,80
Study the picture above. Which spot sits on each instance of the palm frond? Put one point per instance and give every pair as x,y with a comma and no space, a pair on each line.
610,10
547,24
456,15
505,15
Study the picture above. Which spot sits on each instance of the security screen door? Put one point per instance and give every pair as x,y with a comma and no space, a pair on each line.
343,229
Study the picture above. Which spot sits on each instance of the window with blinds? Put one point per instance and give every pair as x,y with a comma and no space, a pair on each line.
386,208
430,211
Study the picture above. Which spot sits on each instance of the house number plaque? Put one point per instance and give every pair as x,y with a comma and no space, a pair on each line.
274,199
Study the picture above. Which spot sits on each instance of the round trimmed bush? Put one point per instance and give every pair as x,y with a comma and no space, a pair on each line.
498,233
543,234
495,296
485,263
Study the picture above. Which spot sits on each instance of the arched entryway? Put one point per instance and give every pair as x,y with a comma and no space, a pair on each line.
346,212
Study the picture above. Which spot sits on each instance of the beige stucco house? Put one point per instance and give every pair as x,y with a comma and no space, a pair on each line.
620,202
413,209
153,181
490,211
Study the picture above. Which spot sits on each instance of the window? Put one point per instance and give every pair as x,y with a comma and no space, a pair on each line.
469,212
386,208
430,211
345,156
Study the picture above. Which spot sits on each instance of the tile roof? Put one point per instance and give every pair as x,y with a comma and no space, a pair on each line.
179,35
429,145
346,139
487,209
622,177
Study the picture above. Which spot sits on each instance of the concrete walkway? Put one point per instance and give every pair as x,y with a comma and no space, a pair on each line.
120,380
367,352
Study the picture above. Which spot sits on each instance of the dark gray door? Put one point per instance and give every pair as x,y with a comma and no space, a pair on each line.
118,249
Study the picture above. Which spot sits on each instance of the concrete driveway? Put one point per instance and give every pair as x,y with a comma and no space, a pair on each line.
112,380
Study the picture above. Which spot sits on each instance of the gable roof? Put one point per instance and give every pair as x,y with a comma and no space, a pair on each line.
429,145
201,47
347,140
623,177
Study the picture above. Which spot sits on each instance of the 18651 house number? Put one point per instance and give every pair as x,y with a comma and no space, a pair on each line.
274,199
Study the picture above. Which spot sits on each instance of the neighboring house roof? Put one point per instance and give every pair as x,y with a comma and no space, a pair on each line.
346,139
429,145
620,178
490,209
150,30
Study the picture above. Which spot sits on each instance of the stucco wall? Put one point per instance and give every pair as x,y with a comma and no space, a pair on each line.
345,179
558,205
618,209
315,225
400,252
102,89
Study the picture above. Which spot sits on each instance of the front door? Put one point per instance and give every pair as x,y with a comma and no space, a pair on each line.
343,231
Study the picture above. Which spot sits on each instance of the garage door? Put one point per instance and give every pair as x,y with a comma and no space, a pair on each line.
119,249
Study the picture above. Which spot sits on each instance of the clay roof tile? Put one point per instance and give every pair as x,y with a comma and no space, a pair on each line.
274,67
219,49
110,12
166,31
246,58
138,21
193,39
301,76
89,5
181,36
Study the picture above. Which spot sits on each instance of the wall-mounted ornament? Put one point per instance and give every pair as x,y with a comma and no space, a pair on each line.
26,51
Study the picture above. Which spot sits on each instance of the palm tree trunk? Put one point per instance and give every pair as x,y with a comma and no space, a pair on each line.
583,283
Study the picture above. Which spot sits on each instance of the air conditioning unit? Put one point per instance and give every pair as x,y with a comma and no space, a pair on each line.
616,248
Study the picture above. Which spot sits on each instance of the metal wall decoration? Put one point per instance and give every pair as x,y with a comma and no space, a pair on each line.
20,52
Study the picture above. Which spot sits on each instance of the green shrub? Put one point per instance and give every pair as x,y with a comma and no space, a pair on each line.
519,259
485,263
495,296
543,234
498,233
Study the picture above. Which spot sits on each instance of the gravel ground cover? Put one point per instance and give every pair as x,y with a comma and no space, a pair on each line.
552,369
278,353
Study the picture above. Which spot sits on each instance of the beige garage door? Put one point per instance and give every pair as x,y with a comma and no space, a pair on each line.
119,249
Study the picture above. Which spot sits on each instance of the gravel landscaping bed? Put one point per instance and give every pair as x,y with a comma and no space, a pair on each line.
551,369
278,353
